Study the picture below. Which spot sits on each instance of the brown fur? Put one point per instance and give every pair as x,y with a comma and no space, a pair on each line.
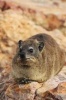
47,64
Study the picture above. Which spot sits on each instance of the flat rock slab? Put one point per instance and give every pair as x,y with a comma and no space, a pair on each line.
28,92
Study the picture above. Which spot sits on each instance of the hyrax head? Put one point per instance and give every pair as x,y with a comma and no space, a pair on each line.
29,50
26,63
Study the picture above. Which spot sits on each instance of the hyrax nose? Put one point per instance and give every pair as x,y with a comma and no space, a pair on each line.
22,55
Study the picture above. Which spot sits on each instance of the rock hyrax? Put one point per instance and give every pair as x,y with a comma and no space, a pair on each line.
37,59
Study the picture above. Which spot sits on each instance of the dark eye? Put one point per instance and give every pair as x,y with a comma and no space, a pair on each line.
30,49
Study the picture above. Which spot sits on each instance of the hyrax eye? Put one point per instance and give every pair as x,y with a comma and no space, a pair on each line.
30,49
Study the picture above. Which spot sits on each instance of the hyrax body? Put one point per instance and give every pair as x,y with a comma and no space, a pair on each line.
37,59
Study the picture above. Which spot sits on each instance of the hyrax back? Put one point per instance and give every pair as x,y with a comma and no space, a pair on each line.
37,59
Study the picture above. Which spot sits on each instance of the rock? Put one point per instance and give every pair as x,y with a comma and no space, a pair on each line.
22,92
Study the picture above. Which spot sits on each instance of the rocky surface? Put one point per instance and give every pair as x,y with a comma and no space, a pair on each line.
20,20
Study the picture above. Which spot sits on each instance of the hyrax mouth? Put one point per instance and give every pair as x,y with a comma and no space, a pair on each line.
26,66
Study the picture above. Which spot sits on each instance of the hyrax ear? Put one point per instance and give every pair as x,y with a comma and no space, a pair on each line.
20,43
41,45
